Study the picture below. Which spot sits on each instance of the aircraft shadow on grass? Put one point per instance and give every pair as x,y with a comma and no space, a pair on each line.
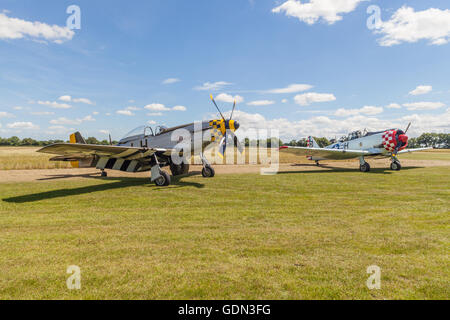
340,169
177,182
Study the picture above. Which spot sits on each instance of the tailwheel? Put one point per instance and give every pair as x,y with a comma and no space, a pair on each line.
317,163
364,167
208,172
396,166
163,180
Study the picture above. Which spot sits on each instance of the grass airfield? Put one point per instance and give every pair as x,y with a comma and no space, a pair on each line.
306,233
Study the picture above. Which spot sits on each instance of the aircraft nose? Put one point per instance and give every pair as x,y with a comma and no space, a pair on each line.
236,125
403,138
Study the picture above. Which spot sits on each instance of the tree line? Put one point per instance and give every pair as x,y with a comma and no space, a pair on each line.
28,142
435,140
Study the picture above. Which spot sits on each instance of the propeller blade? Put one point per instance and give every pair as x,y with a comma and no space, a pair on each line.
223,146
236,142
232,111
212,98
110,141
409,125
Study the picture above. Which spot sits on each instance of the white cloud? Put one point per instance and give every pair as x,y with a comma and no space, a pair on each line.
171,81
18,108
261,103
421,90
313,97
95,113
223,97
133,108
125,113
423,105
293,88
22,125
323,126
179,108
393,106
104,131
43,113
4,114
14,28
366,110
284,101
156,107
54,104
65,121
76,100
83,100
407,25
88,118
310,12
213,86
151,122
65,98
155,114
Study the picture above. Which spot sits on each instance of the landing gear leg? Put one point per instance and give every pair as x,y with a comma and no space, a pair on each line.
363,165
104,174
208,171
159,177
395,163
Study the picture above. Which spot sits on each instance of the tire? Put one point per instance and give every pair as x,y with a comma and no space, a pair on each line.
178,170
365,167
396,166
163,180
104,174
208,172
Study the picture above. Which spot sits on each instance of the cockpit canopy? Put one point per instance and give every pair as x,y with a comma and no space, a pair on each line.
143,131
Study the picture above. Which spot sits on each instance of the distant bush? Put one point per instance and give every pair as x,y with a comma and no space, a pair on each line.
28,142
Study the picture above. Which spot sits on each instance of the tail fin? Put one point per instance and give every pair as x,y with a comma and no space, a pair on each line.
77,138
312,143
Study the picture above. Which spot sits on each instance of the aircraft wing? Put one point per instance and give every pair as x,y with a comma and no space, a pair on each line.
413,150
84,151
334,154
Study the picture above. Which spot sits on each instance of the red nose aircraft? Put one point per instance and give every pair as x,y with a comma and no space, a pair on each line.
381,144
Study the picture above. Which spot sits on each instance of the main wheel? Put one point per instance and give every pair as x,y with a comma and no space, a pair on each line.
208,172
104,174
163,180
396,166
365,167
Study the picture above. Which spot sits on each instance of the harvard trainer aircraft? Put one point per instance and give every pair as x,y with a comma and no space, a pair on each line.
146,150
381,144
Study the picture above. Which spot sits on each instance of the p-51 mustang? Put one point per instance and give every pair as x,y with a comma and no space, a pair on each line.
381,144
146,150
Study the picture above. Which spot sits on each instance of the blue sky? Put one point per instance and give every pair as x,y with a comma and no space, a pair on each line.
109,75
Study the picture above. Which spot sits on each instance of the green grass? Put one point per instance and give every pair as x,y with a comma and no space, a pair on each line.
308,235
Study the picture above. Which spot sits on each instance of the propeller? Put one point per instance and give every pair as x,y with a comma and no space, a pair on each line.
399,143
212,98
232,111
224,141
110,141
407,128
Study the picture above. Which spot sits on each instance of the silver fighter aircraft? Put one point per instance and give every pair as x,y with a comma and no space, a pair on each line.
145,149
381,144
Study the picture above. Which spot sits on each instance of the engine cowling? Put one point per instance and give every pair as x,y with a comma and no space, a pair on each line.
394,140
